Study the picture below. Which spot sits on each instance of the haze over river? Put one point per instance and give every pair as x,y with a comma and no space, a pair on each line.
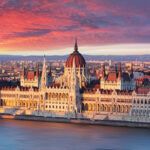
30,135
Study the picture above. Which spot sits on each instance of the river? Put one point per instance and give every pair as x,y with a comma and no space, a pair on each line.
30,135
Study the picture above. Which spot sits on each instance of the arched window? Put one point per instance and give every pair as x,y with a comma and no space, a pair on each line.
145,101
86,107
114,108
98,107
46,96
141,101
102,107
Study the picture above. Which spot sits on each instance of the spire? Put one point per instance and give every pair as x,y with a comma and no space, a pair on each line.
103,73
132,75
44,75
37,70
74,88
76,46
73,74
120,71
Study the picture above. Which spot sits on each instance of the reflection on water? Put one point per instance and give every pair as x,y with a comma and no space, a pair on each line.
29,135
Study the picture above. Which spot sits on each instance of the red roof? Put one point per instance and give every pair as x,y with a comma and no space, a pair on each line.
112,77
30,75
79,60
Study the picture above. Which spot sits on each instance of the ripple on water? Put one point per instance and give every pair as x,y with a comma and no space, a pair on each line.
30,135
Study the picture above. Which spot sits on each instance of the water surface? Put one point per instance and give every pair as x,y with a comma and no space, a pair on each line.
30,135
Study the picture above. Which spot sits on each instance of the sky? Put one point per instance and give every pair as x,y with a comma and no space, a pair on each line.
102,27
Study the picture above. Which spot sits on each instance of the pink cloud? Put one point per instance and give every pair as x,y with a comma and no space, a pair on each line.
34,25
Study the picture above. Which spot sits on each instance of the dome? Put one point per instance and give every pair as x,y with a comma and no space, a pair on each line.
79,59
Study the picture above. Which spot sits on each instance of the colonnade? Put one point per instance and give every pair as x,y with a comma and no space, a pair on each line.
119,108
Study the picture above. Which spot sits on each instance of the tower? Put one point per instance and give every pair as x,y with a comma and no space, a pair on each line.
44,75
81,68
74,77
74,89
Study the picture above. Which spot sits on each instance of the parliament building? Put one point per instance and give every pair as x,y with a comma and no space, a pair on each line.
116,97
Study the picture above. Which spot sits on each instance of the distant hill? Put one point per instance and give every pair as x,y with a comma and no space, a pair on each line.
143,58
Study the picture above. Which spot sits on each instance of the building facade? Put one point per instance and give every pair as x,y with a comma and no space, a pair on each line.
81,68
72,98
117,80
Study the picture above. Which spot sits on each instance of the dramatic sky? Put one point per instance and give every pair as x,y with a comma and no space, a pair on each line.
30,27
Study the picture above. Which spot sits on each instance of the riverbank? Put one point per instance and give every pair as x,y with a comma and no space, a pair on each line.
78,121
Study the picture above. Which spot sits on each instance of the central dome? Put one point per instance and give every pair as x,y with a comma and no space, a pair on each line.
79,59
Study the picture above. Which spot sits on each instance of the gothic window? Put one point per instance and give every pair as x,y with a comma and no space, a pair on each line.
86,107
46,95
141,101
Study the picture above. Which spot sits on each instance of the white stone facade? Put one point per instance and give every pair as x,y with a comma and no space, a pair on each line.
73,101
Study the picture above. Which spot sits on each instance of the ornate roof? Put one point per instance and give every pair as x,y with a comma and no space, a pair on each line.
79,59
113,76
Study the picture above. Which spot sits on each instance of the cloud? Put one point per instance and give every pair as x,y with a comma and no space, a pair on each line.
32,32
53,23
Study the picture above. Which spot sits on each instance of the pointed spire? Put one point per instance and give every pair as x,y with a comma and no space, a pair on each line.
103,73
37,69
73,73
120,71
132,75
44,75
76,45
